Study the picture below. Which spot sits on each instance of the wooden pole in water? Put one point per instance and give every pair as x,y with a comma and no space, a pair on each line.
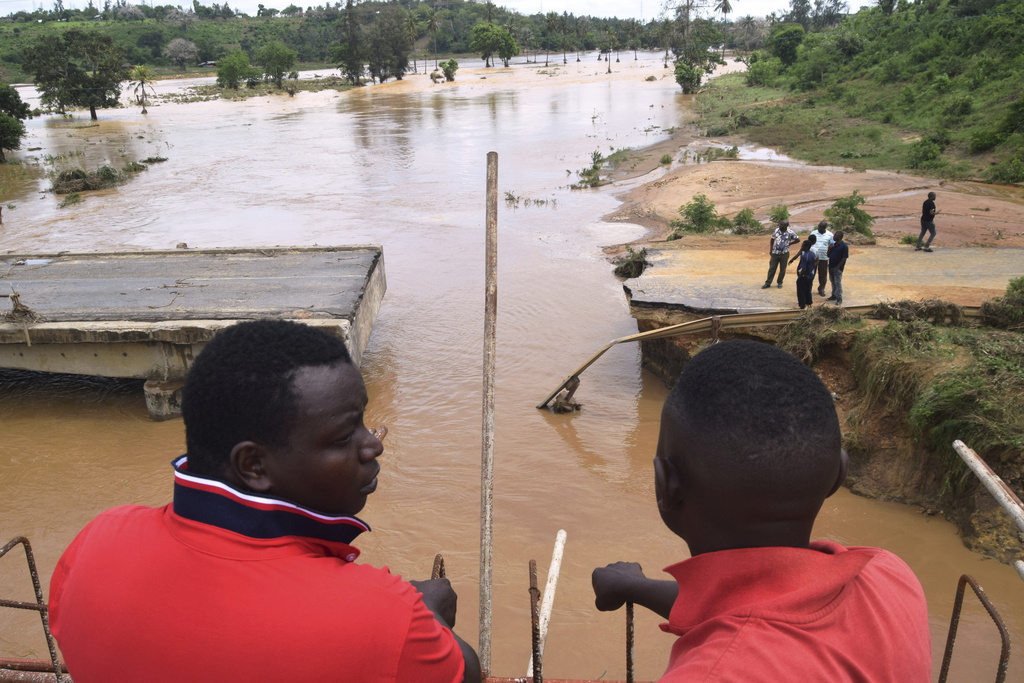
487,454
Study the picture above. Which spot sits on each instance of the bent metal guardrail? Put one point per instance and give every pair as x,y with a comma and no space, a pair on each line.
712,324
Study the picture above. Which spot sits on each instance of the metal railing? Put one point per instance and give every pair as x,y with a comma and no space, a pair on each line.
38,606
712,324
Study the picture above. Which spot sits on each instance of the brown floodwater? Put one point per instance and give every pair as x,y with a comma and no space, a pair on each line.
403,165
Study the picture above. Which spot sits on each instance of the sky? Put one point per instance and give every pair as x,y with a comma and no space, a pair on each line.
638,9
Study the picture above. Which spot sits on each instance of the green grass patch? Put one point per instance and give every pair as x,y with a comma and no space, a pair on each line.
827,131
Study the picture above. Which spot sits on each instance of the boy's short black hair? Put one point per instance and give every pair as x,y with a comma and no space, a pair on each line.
763,421
240,387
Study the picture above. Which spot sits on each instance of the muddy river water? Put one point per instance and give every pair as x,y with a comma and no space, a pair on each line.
403,165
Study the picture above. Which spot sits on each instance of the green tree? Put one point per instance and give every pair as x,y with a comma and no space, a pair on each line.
181,52
234,69
12,130
489,39
11,104
783,41
695,54
141,77
350,54
77,69
389,44
277,59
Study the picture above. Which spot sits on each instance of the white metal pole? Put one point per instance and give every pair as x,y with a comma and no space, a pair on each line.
548,601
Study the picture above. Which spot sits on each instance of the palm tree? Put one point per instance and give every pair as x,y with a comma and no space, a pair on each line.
748,29
412,31
527,34
563,26
634,34
433,26
551,22
582,25
611,46
141,77
489,12
725,8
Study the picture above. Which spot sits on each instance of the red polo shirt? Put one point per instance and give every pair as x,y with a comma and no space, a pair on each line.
228,586
827,613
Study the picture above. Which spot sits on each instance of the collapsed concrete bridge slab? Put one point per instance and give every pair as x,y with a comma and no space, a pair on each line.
146,314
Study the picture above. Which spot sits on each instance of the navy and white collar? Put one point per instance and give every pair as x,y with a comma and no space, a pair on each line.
212,501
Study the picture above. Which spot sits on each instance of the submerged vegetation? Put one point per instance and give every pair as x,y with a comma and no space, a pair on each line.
73,181
632,264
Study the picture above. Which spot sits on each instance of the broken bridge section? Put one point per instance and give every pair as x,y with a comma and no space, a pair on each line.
146,314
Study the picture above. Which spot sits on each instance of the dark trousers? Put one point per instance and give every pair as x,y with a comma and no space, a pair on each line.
926,227
822,275
803,290
779,261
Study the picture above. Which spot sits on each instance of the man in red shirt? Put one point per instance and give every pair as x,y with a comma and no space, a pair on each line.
249,574
749,449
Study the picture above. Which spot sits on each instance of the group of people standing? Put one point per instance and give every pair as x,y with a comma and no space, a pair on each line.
822,253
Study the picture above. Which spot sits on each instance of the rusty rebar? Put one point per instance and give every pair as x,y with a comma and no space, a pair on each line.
954,623
487,445
538,676
629,642
438,571
728,322
39,605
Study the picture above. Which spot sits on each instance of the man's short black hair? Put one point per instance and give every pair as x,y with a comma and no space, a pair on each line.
240,387
931,195
839,235
763,421
822,226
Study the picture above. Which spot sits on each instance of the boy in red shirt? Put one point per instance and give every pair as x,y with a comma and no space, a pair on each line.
749,449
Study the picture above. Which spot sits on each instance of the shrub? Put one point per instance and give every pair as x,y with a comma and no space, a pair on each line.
632,264
699,216
764,72
922,152
1006,312
984,141
1010,171
688,77
744,223
448,69
778,213
846,216
666,158
908,239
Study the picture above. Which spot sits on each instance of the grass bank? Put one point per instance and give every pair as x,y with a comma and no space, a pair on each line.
926,375
825,127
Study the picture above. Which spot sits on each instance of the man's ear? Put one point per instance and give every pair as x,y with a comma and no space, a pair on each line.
668,484
844,463
248,466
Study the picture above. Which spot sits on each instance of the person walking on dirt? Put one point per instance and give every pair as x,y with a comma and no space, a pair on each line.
805,271
837,255
778,248
928,212
824,241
